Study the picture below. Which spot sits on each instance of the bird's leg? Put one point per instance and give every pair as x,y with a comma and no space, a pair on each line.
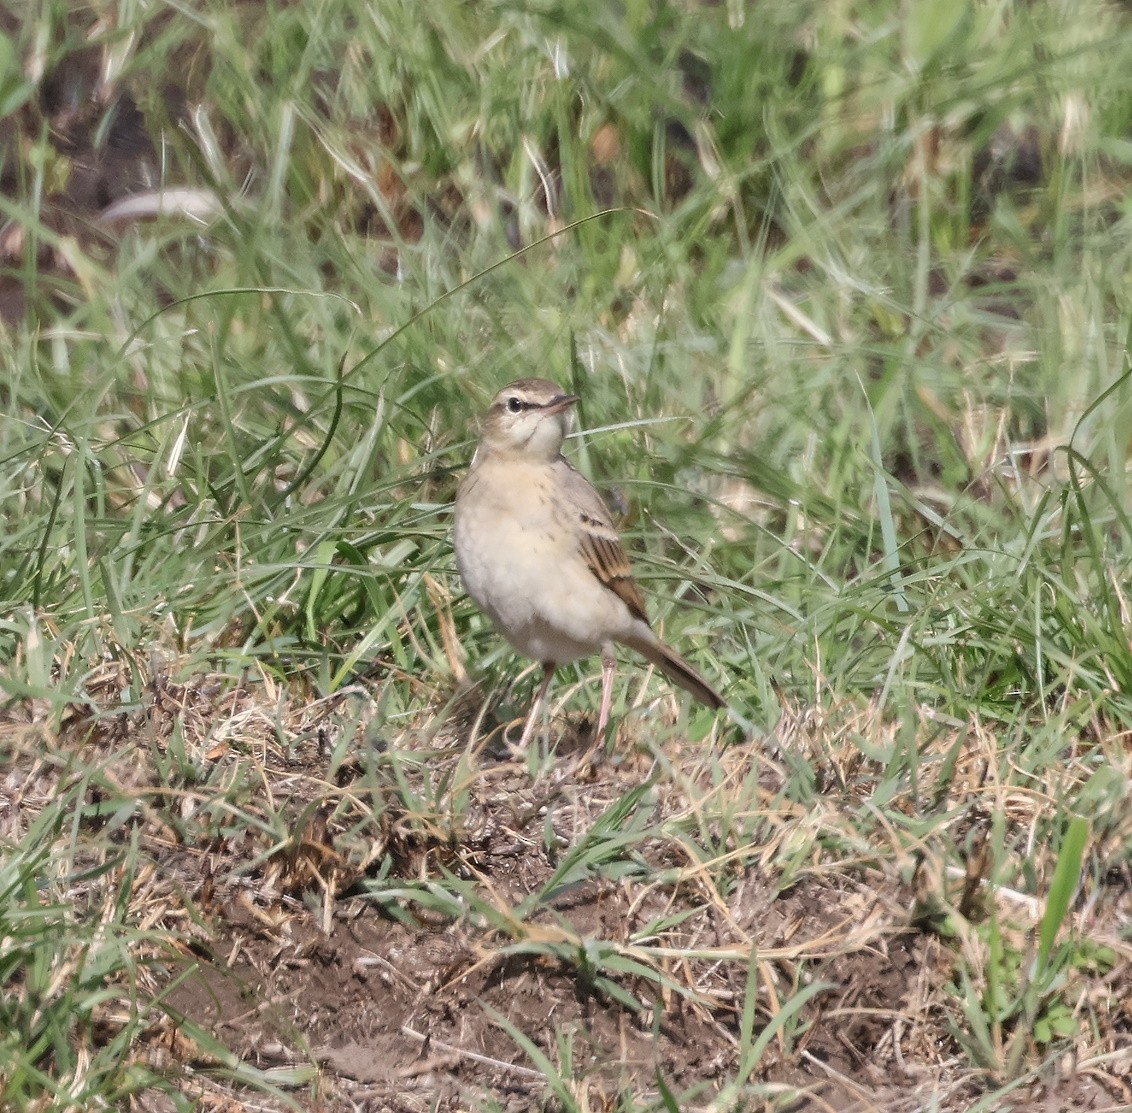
529,728
608,664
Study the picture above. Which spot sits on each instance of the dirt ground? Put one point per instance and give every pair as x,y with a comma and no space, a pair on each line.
308,909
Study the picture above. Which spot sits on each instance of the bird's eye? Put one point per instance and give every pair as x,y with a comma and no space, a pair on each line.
515,404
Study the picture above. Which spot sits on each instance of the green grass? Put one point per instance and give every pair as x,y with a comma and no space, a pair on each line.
844,291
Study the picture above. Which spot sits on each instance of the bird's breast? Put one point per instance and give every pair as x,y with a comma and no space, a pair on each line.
518,557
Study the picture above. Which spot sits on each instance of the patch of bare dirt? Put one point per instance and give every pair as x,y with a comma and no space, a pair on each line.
365,920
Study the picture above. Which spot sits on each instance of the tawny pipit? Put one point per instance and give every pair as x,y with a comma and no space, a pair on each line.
537,550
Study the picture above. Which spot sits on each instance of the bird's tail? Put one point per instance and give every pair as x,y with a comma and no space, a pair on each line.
679,671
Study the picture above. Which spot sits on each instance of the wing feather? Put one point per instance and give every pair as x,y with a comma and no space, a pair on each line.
598,541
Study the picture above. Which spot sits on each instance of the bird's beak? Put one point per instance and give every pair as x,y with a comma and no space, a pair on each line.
562,402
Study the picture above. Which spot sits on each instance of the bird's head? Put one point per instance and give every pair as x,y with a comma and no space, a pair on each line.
528,418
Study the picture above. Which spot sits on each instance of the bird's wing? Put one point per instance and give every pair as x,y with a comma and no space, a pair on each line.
598,541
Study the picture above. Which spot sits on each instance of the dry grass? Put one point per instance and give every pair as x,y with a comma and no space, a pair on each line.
370,919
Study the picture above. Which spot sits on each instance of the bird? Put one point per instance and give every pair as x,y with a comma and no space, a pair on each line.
537,550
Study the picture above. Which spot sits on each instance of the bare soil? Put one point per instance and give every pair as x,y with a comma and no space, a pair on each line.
293,895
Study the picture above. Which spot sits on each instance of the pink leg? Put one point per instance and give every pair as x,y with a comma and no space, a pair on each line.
529,728
608,664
